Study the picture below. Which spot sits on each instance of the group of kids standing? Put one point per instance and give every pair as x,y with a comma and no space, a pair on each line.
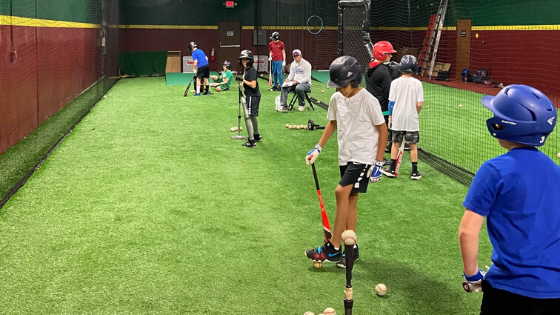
516,192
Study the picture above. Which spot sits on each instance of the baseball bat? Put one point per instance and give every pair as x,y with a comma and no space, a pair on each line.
348,292
188,87
270,73
399,157
324,217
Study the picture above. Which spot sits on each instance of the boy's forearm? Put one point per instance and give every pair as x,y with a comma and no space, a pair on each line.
419,107
328,132
381,141
469,252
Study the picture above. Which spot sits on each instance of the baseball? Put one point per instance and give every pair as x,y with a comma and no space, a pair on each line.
287,125
381,289
349,237
104,96
309,313
323,91
317,264
232,129
558,155
460,105
329,311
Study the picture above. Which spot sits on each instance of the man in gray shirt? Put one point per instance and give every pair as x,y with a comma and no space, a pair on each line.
299,80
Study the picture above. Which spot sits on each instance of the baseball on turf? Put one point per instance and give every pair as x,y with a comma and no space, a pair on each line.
380,289
309,313
460,105
317,264
558,155
329,311
287,125
323,91
349,237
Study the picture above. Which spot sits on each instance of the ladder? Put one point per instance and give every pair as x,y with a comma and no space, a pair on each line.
431,42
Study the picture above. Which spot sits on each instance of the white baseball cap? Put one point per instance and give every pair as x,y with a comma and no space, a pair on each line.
296,52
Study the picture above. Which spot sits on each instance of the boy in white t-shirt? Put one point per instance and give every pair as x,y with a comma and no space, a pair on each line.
406,97
362,136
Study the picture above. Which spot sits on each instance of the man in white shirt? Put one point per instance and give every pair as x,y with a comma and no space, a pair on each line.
299,80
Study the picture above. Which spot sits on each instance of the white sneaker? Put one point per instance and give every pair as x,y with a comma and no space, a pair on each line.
283,109
301,108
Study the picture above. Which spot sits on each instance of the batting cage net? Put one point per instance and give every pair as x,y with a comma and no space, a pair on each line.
62,56
480,47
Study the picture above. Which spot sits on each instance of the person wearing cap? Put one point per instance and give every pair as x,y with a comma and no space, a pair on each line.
277,56
299,80
223,81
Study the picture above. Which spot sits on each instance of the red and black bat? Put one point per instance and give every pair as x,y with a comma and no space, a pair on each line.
399,157
188,87
324,217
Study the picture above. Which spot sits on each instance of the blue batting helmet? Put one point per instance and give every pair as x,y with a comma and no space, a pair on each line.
522,114
409,64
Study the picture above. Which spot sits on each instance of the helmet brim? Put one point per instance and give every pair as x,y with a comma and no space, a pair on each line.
487,102
392,51
332,84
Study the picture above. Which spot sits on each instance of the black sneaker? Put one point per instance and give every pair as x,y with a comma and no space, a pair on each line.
257,136
415,176
342,262
249,144
207,93
388,172
325,252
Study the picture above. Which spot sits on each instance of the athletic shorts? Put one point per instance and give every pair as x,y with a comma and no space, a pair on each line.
253,103
224,87
495,301
410,136
203,72
355,174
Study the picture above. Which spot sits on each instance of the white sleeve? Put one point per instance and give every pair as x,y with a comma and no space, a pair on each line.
376,115
306,72
291,75
392,92
331,113
420,92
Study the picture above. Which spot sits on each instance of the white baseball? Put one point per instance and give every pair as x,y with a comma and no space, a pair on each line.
309,313
329,311
232,129
349,237
558,155
460,105
287,125
381,289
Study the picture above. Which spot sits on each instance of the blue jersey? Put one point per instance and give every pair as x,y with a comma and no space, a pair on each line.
200,57
519,194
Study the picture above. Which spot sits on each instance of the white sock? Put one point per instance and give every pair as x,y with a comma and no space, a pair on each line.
198,89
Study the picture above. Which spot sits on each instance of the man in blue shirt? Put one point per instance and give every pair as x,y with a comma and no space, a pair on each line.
201,68
518,194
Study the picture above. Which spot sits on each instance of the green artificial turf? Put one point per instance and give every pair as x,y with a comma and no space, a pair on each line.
148,207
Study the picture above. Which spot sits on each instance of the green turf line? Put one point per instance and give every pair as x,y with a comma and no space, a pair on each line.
177,78
148,207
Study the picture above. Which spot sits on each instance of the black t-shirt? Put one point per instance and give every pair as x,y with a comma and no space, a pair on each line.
378,83
251,75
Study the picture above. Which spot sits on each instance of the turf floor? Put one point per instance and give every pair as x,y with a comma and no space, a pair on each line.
148,207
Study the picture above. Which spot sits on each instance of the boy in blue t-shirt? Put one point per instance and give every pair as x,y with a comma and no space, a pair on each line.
201,68
518,194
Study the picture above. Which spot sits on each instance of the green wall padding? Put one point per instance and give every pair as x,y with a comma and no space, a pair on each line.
144,63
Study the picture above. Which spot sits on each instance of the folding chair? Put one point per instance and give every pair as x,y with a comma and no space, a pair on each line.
294,100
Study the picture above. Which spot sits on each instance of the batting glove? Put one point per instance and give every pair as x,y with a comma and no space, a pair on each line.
269,58
283,64
375,171
473,283
313,154
238,79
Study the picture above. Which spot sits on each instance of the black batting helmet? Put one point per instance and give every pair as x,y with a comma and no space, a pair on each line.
246,54
275,35
192,45
227,64
409,64
344,70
